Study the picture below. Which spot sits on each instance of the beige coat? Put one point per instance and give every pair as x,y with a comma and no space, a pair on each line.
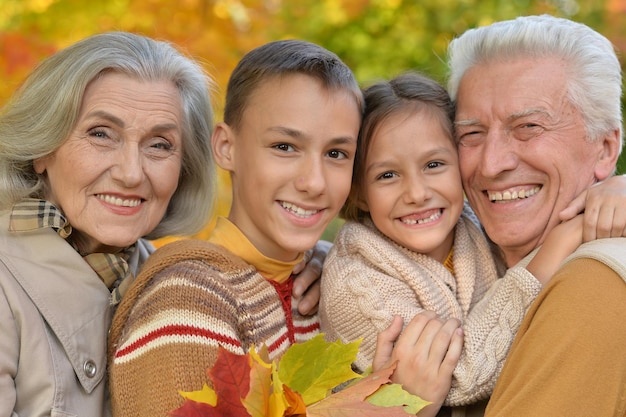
54,319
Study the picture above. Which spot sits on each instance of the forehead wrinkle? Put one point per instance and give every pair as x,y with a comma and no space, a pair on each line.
108,116
528,112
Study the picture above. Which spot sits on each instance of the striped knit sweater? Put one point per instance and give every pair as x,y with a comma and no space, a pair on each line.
367,278
190,298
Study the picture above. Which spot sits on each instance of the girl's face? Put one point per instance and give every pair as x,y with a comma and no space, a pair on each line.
412,183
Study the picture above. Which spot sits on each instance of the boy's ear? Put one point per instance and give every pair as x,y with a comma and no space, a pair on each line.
223,144
605,166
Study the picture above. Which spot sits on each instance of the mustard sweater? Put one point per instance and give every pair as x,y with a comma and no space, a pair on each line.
569,356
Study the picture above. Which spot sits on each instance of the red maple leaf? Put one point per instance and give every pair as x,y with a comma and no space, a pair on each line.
231,382
194,409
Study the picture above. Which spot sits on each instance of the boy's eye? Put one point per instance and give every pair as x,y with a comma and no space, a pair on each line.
434,164
285,147
337,154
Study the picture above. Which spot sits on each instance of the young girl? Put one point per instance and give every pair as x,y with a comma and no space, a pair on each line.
411,243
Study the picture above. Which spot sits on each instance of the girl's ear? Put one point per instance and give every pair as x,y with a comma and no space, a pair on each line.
605,166
223,144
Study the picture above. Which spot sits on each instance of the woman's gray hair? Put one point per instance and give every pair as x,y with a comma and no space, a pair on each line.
44,110
595,78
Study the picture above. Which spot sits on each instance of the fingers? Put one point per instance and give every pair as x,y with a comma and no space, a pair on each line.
309,303
453,354
384,344
311,271
604,215
576,206
306,286
427,352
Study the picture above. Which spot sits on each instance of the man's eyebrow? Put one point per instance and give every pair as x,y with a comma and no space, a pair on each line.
467,122
528,112
516,115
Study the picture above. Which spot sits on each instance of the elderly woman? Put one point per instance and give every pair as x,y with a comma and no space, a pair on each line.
106,143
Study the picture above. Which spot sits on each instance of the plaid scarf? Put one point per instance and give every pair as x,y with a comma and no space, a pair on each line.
112,268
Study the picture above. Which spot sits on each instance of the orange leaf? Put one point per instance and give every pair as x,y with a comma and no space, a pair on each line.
295,403
350,402
256,402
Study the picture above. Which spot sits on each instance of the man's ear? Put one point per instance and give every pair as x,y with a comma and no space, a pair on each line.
223,144
605,166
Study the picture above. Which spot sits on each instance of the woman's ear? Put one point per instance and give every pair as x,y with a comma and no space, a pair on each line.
607,161
223,144
39,165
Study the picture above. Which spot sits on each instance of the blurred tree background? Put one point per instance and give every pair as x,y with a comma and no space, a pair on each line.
377,38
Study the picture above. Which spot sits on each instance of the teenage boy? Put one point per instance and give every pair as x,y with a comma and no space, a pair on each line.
288,139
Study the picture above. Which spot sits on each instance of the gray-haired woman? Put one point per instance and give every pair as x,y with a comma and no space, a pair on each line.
105,144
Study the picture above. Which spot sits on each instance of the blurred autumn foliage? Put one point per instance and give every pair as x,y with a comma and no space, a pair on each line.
377,38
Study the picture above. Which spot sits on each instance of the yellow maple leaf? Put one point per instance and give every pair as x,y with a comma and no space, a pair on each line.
206,395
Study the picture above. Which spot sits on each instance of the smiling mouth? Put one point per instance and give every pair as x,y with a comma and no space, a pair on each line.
410,220
116,201
512,195
298,211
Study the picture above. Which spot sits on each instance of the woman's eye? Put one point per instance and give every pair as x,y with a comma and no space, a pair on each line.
162,145
98,133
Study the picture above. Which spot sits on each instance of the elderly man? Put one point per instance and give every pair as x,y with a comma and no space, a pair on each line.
538,121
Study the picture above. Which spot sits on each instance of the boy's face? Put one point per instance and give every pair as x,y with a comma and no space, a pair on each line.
412,183
292,160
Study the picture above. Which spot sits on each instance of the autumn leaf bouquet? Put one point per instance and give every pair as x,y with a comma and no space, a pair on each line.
300,384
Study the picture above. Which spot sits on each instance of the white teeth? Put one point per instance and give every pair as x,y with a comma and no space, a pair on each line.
298,211
116,201
428,219
515,195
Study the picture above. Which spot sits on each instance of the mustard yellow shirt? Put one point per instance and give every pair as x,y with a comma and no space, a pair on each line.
229,236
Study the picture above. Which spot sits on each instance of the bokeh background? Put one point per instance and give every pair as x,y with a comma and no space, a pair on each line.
376,38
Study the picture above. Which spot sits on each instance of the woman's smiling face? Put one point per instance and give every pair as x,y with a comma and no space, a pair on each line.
115,174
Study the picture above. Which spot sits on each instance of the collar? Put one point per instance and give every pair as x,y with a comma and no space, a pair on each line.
229,236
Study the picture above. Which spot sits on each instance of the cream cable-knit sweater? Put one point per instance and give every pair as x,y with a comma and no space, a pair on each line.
367,278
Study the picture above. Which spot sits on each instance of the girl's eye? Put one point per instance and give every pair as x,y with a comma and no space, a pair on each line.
434,164
337,154
386,175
